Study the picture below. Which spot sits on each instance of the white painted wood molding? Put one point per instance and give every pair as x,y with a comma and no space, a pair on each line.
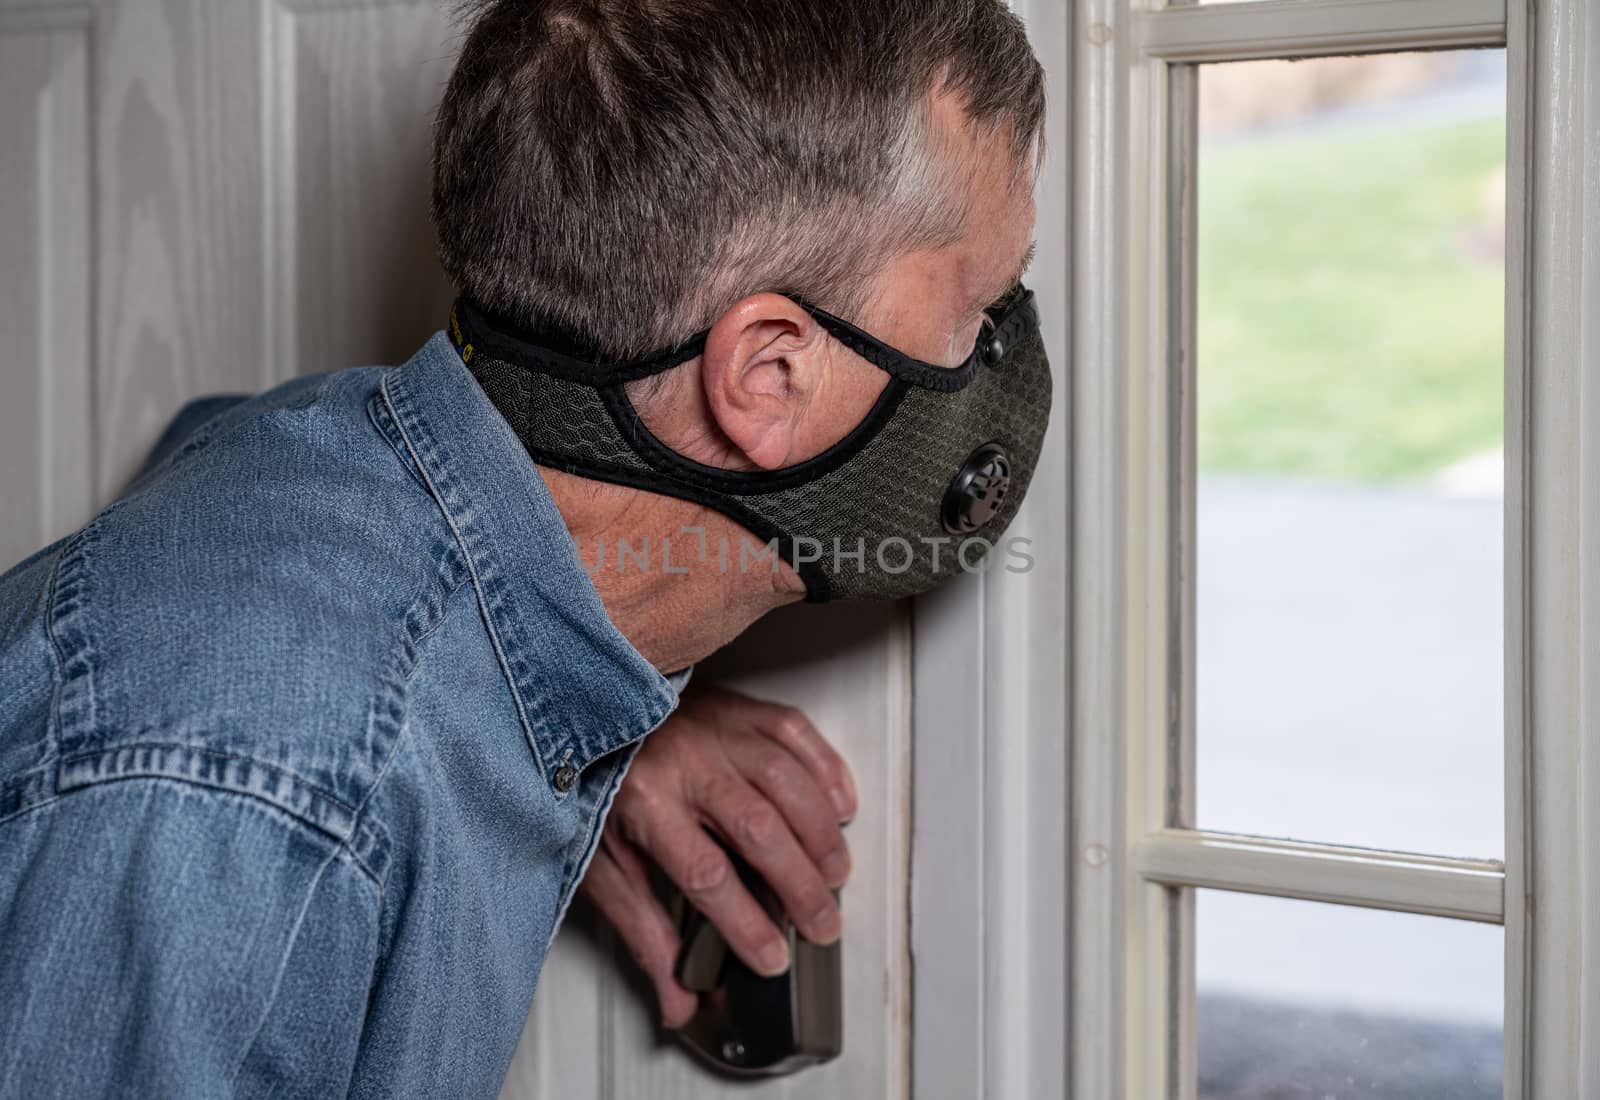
1553,552
990,801
1437,886
1307,28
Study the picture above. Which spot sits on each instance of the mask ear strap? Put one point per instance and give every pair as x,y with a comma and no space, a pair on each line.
747,483
1014,313
929,376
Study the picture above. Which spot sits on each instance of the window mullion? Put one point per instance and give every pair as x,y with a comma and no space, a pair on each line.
1309,28
1465,889
1182,227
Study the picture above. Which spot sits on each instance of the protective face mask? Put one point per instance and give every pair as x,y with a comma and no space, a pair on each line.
920,490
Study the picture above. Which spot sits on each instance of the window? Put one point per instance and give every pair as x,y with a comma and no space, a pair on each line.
1328,808
1298,998
1348,383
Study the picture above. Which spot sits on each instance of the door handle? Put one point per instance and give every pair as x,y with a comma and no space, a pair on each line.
748,1025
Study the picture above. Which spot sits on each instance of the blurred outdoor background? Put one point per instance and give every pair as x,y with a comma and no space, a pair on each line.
1349,620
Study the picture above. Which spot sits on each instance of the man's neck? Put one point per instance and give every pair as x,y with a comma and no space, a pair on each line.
677,579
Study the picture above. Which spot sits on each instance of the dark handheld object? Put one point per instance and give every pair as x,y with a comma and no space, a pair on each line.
748,1025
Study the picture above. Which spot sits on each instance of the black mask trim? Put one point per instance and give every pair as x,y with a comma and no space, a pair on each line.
742,482
930,376
552,351
818,588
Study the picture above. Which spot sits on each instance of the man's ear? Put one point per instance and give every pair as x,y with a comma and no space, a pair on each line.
763,362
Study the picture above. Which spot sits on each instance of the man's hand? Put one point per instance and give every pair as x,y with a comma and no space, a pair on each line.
762,778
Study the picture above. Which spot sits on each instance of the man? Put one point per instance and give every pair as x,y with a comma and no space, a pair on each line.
308,739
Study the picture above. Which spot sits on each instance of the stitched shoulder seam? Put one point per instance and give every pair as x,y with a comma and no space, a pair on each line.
441,489
366,841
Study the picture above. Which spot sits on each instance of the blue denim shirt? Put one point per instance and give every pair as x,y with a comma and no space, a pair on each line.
305,742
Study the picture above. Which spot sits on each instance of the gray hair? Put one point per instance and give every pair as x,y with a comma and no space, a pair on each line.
628,169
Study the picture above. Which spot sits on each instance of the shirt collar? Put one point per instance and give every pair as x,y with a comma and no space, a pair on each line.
582,690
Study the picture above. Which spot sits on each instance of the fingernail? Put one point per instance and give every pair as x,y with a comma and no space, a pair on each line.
824,925
841,802
775,958
835,867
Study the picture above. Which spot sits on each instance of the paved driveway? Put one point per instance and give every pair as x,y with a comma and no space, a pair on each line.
1350,690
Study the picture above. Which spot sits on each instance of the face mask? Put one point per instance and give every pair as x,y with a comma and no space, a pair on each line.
920,490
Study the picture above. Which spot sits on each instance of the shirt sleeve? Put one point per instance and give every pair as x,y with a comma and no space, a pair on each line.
168,939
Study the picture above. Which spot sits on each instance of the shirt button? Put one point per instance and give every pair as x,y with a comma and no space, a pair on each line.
566,775
994,351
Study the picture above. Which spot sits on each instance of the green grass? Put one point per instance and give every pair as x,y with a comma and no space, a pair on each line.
1347,327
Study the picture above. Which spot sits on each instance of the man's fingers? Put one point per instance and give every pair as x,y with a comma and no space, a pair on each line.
759,833
699,867
617,884
790,728
776,773
629,860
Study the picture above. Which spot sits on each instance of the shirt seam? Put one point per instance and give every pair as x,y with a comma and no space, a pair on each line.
131,771
444,617
446,605
394,749
383,422
525,716
339,849
336,851
73,556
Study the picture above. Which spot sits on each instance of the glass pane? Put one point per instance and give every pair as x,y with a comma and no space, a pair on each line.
1300,999
1349,395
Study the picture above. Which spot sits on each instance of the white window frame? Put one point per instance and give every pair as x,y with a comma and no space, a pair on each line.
1132,841
989,852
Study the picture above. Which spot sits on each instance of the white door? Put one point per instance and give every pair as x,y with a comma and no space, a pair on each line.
201,196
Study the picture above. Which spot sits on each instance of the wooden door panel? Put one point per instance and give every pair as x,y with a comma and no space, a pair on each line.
46,431
235,192
353,278
178,248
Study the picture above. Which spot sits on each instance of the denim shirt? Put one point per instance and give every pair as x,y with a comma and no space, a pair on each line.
305,742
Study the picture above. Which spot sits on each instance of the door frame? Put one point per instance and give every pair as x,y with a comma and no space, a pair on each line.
988,882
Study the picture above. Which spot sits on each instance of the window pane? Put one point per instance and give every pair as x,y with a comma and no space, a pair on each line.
1349,404
1302,999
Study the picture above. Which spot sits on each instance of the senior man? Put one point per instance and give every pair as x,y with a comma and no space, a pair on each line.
309,738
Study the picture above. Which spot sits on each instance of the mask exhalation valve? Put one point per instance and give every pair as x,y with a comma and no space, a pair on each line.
976,493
